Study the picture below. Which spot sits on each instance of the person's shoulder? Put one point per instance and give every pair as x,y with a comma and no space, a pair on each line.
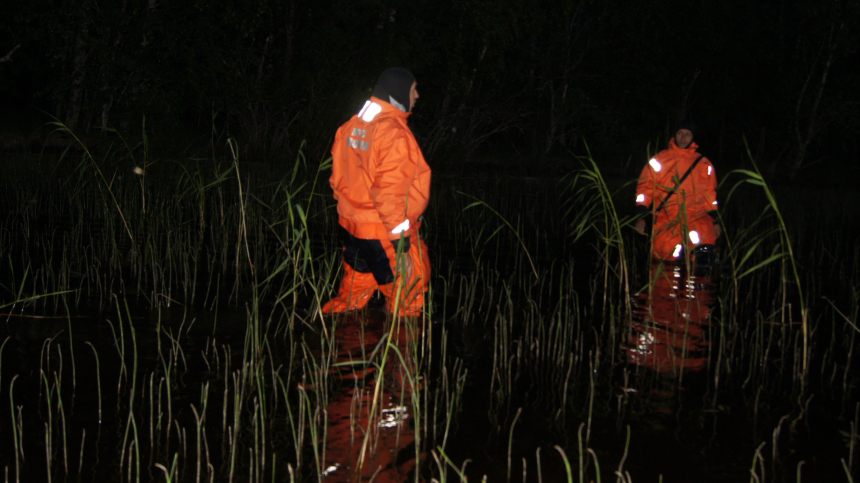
665,153
704,167
705,159
392,126
391,119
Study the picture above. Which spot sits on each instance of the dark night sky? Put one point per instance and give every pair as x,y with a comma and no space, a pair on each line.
539,79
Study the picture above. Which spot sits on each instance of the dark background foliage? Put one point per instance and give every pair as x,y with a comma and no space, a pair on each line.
501,81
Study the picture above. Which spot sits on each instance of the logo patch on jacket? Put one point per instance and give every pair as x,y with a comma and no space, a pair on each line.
356,143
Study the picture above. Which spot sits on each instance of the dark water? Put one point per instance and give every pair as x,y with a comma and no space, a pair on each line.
683,425
687,420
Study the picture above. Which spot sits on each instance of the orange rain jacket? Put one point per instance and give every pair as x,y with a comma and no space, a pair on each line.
380,179
686,212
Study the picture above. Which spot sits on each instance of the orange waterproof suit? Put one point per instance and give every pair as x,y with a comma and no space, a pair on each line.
686,219
382,186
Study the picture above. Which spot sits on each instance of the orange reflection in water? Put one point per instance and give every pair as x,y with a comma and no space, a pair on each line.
668,341
366,442
668,330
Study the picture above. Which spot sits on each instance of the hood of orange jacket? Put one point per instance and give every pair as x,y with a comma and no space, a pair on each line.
380,179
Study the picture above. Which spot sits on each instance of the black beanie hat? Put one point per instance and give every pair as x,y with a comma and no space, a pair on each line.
393,86
685,124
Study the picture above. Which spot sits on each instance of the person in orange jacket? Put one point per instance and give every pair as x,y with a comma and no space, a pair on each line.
685,215
382,186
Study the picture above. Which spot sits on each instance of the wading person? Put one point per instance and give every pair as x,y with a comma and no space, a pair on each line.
382,185
678,187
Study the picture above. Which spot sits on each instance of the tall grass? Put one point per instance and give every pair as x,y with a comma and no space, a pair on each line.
197,285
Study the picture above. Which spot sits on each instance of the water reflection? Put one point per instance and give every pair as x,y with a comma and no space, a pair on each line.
366,442
668,337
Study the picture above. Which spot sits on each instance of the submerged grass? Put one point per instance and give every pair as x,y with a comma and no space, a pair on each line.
204,283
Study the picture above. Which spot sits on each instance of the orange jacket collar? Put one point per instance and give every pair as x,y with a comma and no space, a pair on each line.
388,109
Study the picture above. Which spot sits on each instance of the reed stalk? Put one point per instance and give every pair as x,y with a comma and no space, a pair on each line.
17,433
592,207
90,162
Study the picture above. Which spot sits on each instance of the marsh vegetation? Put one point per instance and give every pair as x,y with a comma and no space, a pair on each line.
161,323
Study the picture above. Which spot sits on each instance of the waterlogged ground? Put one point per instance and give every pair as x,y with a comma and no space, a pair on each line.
131,351
186,367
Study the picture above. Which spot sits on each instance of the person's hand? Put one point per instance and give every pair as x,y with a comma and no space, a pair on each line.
640,225
404,265
718,229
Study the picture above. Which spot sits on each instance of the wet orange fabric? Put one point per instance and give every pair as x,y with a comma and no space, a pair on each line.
379,176
686,211
382,186
357,288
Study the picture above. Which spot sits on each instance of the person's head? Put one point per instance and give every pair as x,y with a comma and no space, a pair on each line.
685,131
397,86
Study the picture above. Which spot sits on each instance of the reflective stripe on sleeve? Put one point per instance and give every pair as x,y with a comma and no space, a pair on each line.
655,165
694,237
677,252
640,198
